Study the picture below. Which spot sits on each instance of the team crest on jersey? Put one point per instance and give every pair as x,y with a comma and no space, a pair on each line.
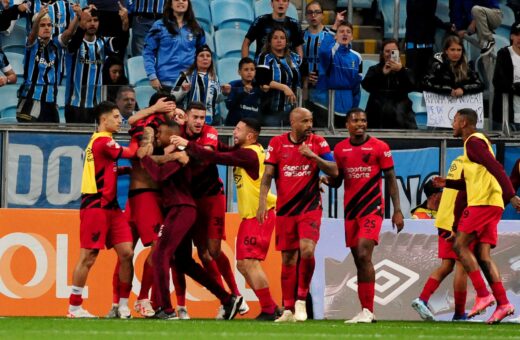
113,144
238,181
453,167
190,37
324,144
366,157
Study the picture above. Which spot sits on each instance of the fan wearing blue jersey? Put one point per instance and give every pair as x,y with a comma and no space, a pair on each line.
145,13
60,12
85,58
7,76
42,70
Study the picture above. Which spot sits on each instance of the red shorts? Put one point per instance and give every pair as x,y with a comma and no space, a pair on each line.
446,249
367,227
211,218
291,229
253,238
145,214
481,220
100,227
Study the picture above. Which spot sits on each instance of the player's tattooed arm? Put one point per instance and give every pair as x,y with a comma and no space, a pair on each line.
147,138
397,217
265,185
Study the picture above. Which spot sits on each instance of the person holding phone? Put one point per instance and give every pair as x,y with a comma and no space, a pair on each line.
389,83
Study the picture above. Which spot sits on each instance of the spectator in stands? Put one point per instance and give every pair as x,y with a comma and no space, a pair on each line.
170,46
506,79
421,24
110,24
284,66
243,95
342,68
42,70
146,12
126,102
8,77
8,14
200,84
60,12
113,77
450,73
428,209
483,16
264,24
313,93
389,83
87,53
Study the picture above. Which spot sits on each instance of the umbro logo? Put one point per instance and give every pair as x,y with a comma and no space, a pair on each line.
95,236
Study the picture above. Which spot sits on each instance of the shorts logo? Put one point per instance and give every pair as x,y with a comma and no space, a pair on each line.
465,213
392,280
218,221
95,236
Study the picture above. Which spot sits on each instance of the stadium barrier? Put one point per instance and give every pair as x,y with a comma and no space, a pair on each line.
38,251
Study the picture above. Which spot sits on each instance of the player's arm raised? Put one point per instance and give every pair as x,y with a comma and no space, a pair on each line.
397,217
328,166
265,185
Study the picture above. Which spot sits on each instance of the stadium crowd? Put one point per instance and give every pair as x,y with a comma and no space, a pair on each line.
176,197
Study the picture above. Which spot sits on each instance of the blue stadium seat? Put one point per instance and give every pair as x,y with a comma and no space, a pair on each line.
60,101
364,99
227,69
356,3
143,94
16,62
367,63
8,103
443,11
15,41
501,41
136,73
228,42
264,7
419,107
232,14
387,9
210,40
203,14
508,16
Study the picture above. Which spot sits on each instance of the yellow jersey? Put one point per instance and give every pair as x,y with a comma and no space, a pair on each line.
445,214
248,189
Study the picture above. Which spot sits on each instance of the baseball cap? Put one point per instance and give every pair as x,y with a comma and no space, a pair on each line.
515,28
429,189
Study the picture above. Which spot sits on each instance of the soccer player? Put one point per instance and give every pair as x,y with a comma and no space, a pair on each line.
102,221
180,208
86,56
361,159
295,159
247,157
447,218
487,187
208,191
43,70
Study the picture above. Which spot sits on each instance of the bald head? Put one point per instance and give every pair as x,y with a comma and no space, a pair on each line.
301,122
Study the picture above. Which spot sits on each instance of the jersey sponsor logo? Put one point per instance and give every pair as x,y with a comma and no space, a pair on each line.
296,170
212,136
388,154
358,172
346,150
113,144
324,144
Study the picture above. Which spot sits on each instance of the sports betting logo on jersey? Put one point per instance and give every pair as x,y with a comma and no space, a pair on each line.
296,170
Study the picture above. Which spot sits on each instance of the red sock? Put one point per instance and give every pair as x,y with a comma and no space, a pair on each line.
305,271
146,281
266,300
366,295
289,282
460,302
179,281
124,289
500,293
75,300
115,284
224,268
478,283
212,269
429,288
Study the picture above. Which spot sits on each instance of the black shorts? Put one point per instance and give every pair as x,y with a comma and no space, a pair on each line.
30,110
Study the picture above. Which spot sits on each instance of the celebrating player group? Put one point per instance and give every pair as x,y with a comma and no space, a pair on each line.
176,200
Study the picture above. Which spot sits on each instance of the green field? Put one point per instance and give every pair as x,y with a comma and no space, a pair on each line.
61,328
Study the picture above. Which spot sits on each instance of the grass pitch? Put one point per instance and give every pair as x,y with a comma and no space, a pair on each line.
61,328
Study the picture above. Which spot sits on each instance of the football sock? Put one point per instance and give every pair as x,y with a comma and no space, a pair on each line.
224,268
75,299
305,271
179,281
500,293
478,283
212,269
460,302
429,288
289,282
266,300
366,295
115,284
146,281
124,290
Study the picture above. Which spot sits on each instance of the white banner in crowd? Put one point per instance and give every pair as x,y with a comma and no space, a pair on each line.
441,108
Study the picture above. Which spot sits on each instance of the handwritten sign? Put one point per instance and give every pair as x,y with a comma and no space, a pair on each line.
441,108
